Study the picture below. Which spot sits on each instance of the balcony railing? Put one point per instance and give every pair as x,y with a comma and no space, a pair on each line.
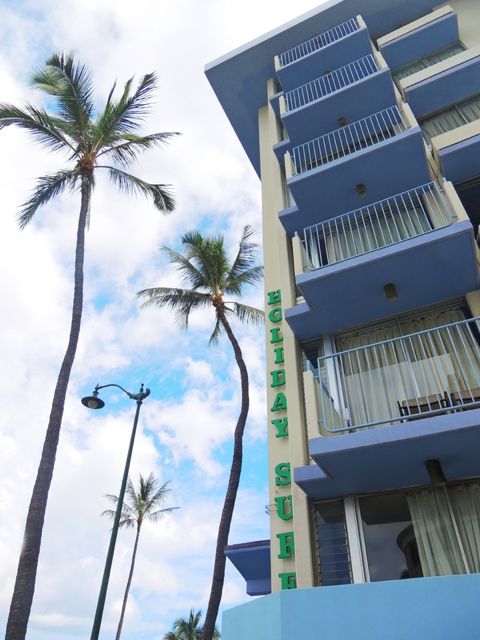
425,373
387,222
319,42
341,142
331,82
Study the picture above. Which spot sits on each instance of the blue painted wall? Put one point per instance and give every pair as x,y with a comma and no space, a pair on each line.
417,609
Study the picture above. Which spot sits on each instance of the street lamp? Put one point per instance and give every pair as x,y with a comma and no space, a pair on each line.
94,402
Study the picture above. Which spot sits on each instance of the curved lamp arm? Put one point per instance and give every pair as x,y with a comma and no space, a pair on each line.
141,395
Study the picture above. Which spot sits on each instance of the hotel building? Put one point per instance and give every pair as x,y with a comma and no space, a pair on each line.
362,120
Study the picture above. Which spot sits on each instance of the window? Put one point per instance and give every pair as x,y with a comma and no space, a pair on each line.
469,194
311,351
429,531
332,543
451,118
434,531
390,543
427,61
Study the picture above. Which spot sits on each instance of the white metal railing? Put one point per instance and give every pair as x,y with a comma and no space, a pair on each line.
331,82
424,373
341,142
319,42
381,224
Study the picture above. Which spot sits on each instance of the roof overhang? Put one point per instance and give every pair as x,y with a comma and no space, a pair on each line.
239,77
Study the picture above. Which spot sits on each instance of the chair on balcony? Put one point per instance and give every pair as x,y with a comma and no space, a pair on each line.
412,408
465,398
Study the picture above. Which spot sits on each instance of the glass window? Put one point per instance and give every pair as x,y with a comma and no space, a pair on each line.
332,543
427,61
451,118
311,351
391,548
433,531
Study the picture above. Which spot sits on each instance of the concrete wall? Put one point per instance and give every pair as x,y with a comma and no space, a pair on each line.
416,609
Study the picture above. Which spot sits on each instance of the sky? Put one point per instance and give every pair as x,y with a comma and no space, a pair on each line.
187,422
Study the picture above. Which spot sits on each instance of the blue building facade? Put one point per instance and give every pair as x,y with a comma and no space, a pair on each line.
362,120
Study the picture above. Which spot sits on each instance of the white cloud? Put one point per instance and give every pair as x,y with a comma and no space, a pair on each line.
188,420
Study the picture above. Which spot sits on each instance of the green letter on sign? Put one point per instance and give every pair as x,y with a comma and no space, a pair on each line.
284,512
287,545
281,424
275,315
278,378
280,402
283,475
276,335
279,359
274,297
288,580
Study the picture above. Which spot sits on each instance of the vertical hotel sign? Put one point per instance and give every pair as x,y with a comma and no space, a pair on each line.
278,415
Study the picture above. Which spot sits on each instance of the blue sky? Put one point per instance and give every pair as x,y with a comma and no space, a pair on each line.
188,420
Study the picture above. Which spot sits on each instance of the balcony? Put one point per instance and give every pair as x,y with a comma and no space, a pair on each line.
382,224
457,152
397,403
355,90
451,80
413,41
425,373
339,45
421,241
341,162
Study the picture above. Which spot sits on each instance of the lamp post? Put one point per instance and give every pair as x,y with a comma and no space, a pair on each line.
94,402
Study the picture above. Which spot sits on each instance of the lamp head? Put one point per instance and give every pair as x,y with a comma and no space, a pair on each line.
93,401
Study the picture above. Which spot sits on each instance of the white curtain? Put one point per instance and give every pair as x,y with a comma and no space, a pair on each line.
466,506
427,61
375,380
451,118
447,536
378,226
437,542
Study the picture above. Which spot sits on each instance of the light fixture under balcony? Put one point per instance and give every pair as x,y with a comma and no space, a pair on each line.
342,121
435,472
361,189
390,292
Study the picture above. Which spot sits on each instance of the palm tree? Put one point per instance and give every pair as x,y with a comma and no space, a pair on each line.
90,141
207,270
139,507
188,629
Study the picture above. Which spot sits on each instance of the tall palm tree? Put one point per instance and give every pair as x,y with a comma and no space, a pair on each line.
136,509
188,629
108,140
210,275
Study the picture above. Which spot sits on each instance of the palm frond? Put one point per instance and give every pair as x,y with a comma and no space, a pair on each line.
126,148
190,274
71,84
155,516
236,283
245,313
126,520
47,187
141,505
123,117
44,128
161,194
215,333
246,254
209,256
182,301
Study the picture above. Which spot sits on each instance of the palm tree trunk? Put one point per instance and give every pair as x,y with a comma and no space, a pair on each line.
24,588
231,494
129,582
